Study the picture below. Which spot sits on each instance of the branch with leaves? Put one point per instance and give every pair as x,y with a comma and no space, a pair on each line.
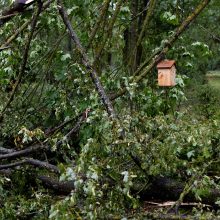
23,27
144,69
25,58
85,60
16,8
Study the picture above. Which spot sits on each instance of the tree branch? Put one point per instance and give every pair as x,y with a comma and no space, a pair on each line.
6,150
25,58
64,187
23,152
23,26
16,8
4,48
31,161
144,27
85,60
11,154
213,36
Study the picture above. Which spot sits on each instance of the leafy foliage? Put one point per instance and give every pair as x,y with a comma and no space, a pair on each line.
159,131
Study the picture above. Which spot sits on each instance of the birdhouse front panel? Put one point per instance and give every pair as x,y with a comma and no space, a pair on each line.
166,73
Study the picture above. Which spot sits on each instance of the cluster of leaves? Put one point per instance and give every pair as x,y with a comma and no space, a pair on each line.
165,145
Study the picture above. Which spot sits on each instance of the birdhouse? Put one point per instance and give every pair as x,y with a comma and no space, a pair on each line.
166,73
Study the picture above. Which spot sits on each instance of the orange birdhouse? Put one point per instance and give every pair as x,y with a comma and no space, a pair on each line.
166,73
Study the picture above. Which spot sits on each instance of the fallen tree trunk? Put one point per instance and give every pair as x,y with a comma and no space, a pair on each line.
164,188
161,188
64,187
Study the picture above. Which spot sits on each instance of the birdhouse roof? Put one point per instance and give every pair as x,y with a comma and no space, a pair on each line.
165,64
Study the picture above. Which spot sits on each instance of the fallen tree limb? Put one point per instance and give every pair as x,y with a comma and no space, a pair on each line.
31,161
24,152
161,188
64,187
12,165
4,150
165,188
171,203
11,154
85,60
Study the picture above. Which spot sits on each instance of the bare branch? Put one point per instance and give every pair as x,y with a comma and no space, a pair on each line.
24,152
6,150
31,161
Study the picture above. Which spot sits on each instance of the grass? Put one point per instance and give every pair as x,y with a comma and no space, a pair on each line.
214,79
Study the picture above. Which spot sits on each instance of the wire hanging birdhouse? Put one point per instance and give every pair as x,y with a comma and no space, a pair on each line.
166,73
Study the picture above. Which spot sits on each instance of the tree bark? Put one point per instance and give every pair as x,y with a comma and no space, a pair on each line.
161,188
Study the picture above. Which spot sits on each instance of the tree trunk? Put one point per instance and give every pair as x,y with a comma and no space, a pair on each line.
161,188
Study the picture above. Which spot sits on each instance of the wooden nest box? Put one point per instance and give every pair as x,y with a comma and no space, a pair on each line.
166,73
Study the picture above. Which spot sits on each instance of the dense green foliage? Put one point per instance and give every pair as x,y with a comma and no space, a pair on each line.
171,132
